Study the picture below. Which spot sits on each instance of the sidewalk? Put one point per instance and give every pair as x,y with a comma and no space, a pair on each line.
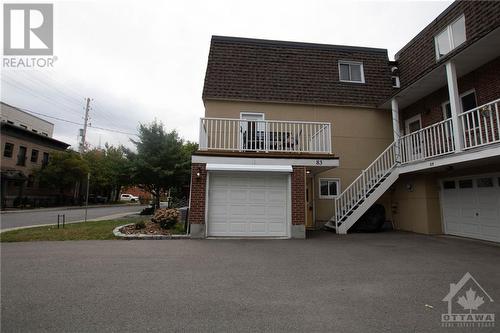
102,218
15,210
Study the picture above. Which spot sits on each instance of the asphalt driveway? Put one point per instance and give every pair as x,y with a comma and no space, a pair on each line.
391,282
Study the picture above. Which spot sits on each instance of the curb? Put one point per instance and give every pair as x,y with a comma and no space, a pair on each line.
102,218
118,233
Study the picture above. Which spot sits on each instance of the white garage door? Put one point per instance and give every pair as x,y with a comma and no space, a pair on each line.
247,204
471,207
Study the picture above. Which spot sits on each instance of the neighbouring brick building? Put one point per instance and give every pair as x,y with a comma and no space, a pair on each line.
27,144
299,136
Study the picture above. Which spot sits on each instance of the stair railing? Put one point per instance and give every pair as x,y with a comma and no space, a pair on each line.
363,185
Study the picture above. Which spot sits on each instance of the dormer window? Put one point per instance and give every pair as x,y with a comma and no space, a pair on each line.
450,38
350,71
395,81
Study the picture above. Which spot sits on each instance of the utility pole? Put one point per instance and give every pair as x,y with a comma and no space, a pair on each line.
87,196
85,123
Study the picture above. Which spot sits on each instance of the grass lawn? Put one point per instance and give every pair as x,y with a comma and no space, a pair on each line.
74,231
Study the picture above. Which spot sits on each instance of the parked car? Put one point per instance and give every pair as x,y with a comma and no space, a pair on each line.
128,197
97,199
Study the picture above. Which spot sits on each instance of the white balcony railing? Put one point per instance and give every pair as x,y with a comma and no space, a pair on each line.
228,134
431,141
481,126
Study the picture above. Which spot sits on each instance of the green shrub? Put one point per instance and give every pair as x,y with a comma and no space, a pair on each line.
166,217
140,225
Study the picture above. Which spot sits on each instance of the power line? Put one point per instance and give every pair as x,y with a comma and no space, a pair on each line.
79,124
24,88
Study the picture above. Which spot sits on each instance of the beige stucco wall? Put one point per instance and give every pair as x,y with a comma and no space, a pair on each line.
358,136
415,203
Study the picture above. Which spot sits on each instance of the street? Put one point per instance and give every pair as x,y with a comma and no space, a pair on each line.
47,216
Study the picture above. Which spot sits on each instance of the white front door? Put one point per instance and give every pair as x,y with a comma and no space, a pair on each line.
252,129
248,204
471,207
414,143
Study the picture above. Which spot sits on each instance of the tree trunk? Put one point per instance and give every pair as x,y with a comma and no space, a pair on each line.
157,200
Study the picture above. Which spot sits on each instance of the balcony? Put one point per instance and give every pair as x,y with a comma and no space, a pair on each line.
478,127
241,135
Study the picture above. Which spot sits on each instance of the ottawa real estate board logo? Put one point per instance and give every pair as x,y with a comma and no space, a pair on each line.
28,35
467,302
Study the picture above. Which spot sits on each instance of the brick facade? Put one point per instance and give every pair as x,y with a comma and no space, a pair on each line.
198,193
484,80
299,195
418,57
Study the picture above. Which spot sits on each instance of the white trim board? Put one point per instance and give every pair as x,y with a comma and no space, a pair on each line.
246,167
444,160
313,162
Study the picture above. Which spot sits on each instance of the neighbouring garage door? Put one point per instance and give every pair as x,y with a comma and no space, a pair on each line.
248,204
471,207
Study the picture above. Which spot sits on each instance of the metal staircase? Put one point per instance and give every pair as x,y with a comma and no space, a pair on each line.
365,190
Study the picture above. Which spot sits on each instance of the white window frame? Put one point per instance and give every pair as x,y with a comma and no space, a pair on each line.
443,105
329,180
411,120
450,37
396,84
348,62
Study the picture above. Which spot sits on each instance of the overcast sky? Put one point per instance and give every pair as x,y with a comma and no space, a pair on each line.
141,60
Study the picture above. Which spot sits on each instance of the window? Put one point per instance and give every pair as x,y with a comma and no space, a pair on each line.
45,159
8,149
450,38
485,182
10,122
466,183
43,133
468,100
23,126
329,188
21,156
351,72
34,155
31,181
34,130
395,82
449,184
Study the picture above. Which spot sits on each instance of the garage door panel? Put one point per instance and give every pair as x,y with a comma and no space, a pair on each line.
252,205
256,195
471,228
258,227
492,231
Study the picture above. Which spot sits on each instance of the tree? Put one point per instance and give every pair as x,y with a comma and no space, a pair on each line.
64,170
108,170
162,160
